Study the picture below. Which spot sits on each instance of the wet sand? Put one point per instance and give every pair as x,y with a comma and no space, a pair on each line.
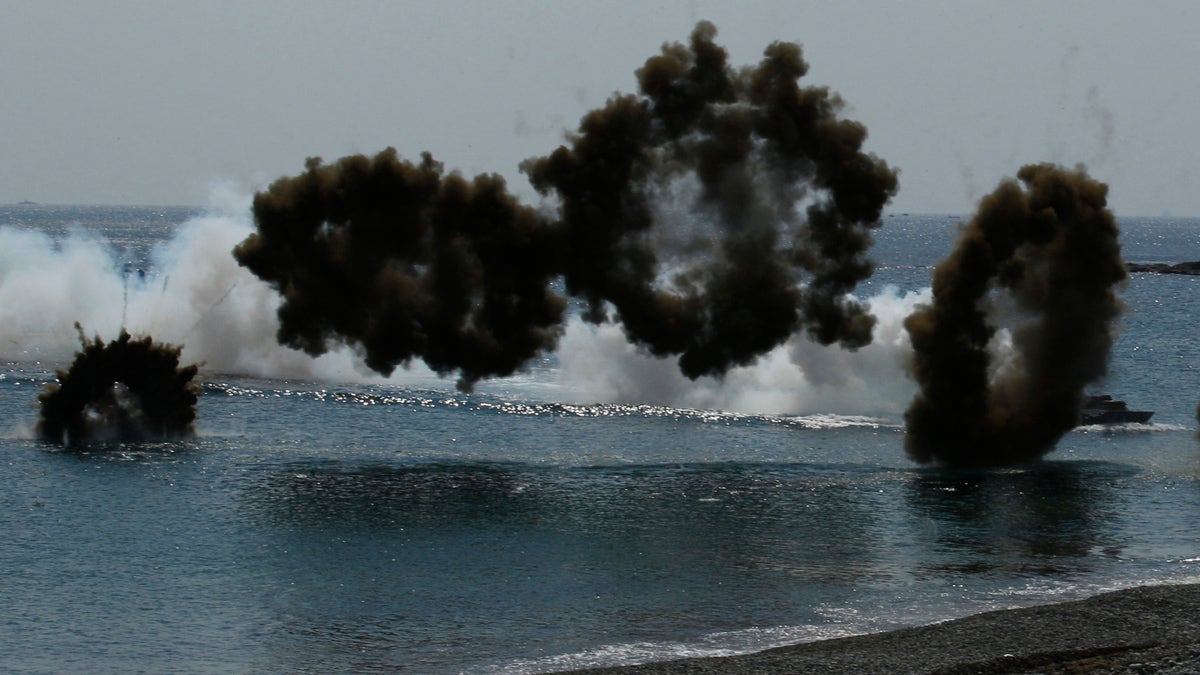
1150,629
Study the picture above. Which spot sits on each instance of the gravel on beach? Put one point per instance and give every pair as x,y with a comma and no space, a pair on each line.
1149,629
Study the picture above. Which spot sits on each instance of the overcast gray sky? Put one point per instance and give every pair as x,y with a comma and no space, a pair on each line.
157,102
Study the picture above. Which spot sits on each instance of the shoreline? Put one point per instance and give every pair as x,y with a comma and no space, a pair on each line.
1142,629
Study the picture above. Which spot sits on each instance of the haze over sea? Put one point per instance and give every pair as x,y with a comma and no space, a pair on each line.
598,510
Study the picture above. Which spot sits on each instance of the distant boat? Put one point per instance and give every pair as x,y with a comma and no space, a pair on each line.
1103,409
26,203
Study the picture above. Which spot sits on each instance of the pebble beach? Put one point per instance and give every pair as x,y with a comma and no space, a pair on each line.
1148,629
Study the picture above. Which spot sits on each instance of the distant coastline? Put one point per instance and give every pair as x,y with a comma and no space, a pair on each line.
1192,268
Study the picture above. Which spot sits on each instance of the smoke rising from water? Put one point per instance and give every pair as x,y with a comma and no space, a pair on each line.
194,294
1037,266
598,364
775,197
403,262
758,146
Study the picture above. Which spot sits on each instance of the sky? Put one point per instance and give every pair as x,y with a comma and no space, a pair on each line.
168,102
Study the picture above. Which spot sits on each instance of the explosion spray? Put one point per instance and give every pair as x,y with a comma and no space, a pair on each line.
403,262
1047,256
125,390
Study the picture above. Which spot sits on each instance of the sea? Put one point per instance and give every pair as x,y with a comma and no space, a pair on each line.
599,509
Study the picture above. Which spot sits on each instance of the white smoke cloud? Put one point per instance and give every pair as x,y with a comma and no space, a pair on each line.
598,365
193,295
46,286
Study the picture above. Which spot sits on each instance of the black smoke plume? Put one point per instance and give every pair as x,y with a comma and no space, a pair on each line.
125,390
1045,255
403,262
781,187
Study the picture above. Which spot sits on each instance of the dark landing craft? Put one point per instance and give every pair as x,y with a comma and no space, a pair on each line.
1102,409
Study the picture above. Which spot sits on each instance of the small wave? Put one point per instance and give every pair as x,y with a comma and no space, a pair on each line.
1132,428
478,402
334,395
830,421
840,621
725,643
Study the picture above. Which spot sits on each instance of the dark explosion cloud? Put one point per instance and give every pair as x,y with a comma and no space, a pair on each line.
1049,250
405,262
402,261
758,144
125,390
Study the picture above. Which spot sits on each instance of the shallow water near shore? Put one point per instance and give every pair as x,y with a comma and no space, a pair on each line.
567,517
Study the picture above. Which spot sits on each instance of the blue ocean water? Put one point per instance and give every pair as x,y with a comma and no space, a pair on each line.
326,521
